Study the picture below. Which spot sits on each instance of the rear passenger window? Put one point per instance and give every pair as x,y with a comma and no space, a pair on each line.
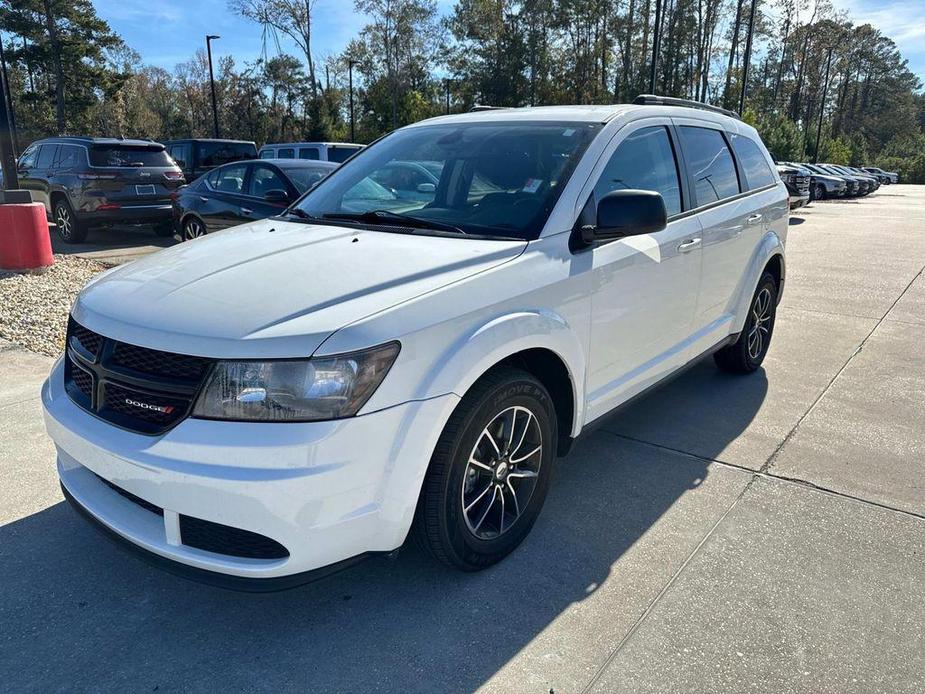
287,153
644,161
68,157
752,162
46,156
228,179
308,153
710,164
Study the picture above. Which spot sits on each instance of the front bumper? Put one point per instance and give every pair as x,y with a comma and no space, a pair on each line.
327,491
798,199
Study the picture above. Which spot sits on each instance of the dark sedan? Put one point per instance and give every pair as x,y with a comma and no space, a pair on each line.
242,192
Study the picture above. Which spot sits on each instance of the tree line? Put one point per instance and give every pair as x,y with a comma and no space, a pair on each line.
70,73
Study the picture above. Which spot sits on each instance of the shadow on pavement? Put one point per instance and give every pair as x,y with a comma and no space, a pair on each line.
78,613
110,239
796,220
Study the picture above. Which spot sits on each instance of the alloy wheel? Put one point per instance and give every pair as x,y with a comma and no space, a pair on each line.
759,332
502,472
64,222
193,229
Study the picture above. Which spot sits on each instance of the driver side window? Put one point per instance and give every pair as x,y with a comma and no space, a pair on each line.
644,161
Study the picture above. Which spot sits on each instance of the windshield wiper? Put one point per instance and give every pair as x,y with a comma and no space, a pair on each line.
374,216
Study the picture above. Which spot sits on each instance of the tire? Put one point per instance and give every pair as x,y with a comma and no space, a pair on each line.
70,229
164,229
818,192
473,514
193,228
746,354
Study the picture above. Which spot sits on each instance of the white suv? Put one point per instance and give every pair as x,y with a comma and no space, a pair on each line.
289,395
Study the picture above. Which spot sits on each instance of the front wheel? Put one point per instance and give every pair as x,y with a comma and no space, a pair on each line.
818,192
193,228
749,350
490,472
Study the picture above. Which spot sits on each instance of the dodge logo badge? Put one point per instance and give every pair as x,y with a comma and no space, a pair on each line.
163,409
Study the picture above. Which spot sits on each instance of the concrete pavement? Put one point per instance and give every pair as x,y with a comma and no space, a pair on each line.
722,534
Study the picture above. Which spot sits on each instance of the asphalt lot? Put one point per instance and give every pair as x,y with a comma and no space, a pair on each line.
114,245
722,534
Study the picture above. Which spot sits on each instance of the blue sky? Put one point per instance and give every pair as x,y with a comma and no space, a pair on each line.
166,32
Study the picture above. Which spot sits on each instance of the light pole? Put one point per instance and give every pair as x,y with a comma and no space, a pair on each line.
446,85
748,56
655,38
7,158
209,39
350,64
8,95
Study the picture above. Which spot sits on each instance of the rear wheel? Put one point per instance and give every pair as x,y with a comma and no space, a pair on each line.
748,351
70,229
193,228
490,472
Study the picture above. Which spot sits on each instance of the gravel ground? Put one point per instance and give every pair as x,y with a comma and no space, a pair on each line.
34,308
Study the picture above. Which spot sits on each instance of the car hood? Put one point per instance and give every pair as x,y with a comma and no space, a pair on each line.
826,177
274,288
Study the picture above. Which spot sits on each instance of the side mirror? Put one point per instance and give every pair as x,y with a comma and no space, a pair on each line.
277,196
427,188
627,213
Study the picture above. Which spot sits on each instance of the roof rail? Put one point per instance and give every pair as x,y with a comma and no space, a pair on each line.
656,100
486,107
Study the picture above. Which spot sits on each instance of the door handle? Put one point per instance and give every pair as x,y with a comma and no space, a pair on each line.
688,245
246,210
203,198
754,219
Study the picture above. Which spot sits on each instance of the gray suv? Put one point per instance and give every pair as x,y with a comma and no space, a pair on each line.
87,182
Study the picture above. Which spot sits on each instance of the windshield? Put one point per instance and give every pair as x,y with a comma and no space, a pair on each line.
303,179
498,179
127,155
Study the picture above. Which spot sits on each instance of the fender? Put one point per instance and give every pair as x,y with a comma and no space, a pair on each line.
769,246
467,359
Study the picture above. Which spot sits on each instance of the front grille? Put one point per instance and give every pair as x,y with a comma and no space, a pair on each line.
146,505
143,390
223,539
152,361
87,339
83,380
801,182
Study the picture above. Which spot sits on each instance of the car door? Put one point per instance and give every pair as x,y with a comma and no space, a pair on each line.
732,224
264,178
224,197
42,173
644,288
26,171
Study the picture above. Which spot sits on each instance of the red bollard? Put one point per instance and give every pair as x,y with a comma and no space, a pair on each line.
24,240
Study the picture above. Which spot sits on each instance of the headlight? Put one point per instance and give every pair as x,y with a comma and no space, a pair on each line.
295,390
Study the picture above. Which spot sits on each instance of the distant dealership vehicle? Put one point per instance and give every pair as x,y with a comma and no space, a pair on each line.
337,152
862,184
198,156
88,181
822,186
242,192
873,179
889,176
797,180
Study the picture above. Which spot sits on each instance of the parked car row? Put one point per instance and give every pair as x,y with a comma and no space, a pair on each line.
806,182
88,182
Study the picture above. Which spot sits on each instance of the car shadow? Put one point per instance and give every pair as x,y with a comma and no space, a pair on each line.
796,220
80,614
109,239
